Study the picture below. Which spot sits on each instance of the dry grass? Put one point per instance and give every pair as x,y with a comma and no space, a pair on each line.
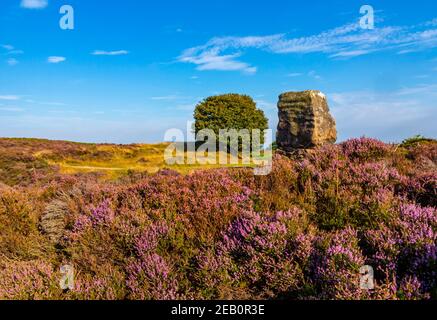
111,161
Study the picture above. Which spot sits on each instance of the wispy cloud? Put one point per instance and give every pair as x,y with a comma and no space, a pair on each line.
430,89
43,103
34,4
344,42
11,49
210,60
56,59
313,74
7,47
59,104
15,52
109,53
422,76
350,54
170,97
12,62
391,116
295,74
9,97
185,107
11,109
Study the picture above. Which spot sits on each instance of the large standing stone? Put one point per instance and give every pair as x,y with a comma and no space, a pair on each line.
304,121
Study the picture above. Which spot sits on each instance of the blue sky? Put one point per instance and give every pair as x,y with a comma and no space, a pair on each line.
132,69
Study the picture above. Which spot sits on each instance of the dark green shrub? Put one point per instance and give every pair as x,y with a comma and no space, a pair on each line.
229,111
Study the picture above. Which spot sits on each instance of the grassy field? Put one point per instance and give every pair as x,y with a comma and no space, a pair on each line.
111,161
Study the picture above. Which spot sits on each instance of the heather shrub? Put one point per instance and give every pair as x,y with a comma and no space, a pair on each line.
301,232
27,280
335,265
406,248
97,238
19,236
147,271
279,190
418,163
411,289
364,149
260,254
420,187
207,200
152,278
108,284
347,193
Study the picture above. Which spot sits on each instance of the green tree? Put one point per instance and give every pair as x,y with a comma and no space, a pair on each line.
229,111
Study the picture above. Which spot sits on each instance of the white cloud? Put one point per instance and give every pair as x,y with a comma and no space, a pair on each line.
210,60
313,74
347,41
421,76
295,74
349,54
432,23
109,53
429,89
408,51
11,49
15,98
170,97
11,109
7,47
56,59
15,52
160,98
34,4
9,97
12,62
186,107
50,103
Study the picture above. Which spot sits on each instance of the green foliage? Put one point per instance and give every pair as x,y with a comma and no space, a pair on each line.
413,141
229,111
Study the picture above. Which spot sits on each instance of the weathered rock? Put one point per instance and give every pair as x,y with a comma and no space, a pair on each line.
304,121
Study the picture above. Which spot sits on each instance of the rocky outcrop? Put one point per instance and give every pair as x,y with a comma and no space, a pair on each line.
304,121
